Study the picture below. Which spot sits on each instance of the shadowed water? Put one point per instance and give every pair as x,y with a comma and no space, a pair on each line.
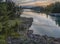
43,24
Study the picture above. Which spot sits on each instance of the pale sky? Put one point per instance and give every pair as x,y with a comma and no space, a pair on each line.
19,1
34,0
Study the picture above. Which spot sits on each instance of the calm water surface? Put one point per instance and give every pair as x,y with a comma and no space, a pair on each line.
43,24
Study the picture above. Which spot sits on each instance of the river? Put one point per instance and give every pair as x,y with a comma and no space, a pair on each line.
43,24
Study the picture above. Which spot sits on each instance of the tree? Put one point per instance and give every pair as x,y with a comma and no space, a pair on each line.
49,8
8,22
56,8
53,8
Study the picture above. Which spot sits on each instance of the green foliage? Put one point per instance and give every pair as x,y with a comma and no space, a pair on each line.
3,9
0,27
53,8
49,8
9,23
56,8
2,42
11,10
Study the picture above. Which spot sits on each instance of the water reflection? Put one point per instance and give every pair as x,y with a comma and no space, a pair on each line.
44,24
56,19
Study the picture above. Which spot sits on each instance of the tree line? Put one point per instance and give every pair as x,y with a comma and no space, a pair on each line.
53,8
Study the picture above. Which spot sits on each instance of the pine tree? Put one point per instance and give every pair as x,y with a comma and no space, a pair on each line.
8,22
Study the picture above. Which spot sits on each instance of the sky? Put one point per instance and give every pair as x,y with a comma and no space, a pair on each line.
33,0
22,1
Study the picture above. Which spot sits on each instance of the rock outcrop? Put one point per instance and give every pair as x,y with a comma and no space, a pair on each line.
25,23
29,37
35,39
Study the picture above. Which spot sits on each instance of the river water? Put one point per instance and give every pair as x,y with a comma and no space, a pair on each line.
43,24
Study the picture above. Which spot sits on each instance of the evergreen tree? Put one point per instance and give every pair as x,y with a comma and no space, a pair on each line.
8,22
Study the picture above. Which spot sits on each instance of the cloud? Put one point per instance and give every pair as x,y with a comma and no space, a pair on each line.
19,1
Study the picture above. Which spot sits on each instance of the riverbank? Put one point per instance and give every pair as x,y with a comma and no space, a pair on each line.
29,37
22,29
34,39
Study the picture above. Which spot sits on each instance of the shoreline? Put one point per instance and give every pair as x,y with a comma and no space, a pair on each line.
30,38
35,38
